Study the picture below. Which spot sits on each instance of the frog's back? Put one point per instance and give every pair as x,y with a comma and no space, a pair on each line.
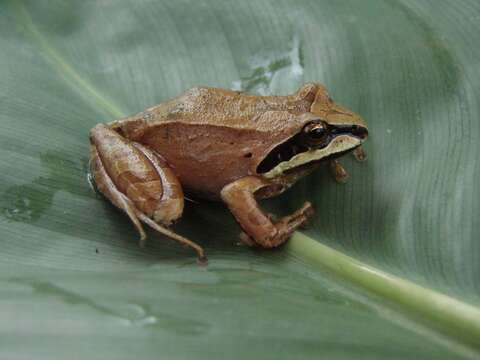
220,107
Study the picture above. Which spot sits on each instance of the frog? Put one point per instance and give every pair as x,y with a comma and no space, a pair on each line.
223,145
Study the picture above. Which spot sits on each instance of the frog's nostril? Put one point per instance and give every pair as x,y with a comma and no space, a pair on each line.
360,132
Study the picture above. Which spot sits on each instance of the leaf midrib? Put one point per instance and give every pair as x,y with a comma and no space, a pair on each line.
65,70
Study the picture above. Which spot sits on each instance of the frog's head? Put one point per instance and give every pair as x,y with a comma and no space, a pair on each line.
327,131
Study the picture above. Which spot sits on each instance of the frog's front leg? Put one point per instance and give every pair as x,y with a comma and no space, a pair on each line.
259,228
360,154
338,172
138,181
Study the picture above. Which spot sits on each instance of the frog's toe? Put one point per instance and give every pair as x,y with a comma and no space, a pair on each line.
360,154
247,240
338,171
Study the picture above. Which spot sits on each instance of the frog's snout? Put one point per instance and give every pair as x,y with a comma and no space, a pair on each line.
360,131
341,116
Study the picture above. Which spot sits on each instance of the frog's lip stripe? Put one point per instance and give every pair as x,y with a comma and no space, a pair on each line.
298,144
339,145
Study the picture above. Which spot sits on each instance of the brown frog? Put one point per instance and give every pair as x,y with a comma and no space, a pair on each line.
223,145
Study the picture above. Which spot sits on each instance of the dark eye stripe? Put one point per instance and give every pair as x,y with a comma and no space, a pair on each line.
355,130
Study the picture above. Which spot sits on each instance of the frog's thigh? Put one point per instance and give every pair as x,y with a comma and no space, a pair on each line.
106,186
138,173
169,208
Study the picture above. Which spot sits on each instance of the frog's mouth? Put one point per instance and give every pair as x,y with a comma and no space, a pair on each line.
292,154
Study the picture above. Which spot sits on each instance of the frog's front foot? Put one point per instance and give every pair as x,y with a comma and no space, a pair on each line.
360,154
259,228
284,228
338,172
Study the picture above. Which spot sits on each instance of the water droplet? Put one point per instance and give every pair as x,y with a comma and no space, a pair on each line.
136,315
274,71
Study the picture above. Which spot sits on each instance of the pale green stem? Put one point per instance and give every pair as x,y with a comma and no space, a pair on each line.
452,316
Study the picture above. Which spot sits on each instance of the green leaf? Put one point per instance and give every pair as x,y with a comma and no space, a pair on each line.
389,266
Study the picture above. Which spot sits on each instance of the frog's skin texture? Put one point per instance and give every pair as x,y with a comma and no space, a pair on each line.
223,145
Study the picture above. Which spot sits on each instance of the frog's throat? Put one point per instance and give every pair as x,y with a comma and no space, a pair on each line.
338,145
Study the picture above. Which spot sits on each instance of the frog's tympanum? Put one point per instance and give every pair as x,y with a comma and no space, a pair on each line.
223,145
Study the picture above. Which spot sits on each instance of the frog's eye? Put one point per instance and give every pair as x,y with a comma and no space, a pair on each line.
316,133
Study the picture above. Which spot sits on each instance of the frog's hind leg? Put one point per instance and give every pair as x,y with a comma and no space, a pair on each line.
105,185
137,181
